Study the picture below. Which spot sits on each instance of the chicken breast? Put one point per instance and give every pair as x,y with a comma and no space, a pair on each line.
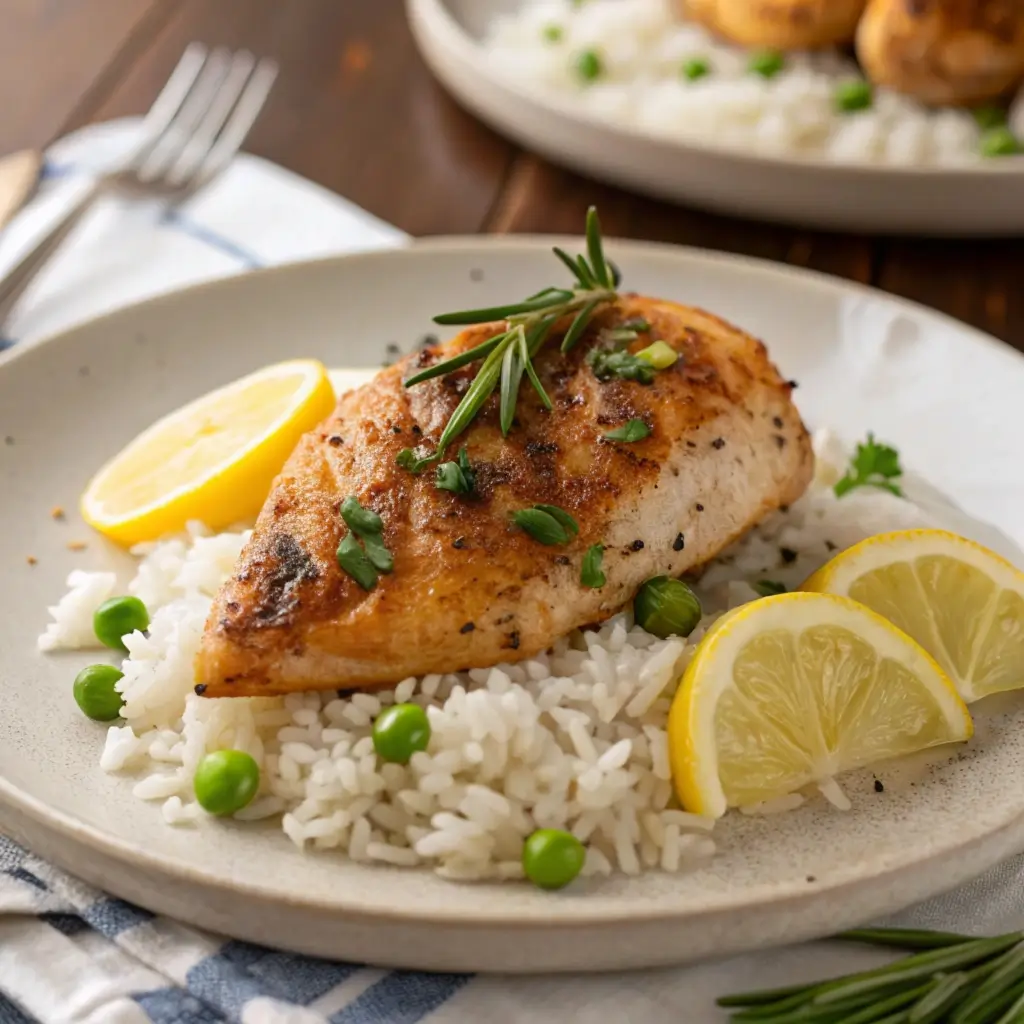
778,24
469,588
946,51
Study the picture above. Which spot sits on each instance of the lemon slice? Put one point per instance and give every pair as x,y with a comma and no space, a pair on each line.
961,602
796,689
212,460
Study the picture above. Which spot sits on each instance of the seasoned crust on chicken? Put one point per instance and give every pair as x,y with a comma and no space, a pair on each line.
779,24
944,51
469,589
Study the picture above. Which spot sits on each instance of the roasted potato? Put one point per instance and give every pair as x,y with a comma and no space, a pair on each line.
943,51
779,24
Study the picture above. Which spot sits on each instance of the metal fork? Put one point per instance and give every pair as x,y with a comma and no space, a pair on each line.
196,125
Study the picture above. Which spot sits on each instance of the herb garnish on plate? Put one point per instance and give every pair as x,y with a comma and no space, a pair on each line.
362,553
873,465
951,978
508,356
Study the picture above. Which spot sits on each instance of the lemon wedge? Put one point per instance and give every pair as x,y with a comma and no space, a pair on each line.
795,689
961,602
212,460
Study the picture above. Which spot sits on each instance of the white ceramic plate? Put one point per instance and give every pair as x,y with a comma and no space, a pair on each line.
949,397
977,200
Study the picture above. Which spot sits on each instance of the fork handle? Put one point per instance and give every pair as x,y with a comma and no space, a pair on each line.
18,279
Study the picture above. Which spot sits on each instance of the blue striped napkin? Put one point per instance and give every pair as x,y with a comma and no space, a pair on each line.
69,953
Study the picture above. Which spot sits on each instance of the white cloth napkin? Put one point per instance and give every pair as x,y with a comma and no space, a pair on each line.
71,954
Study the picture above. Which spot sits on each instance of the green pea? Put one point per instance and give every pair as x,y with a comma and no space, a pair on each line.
855,95
695,68
552,858
999,142
666,607
226,781
553,33
589,65
989,117
767,63
117,618
399,731
95,694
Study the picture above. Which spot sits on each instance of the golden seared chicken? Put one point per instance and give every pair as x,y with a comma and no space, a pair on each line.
944,51
469,587
779,24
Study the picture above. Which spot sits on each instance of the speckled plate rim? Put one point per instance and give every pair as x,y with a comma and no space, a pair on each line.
960,857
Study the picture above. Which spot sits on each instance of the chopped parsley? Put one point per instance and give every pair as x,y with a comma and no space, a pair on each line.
873,465
617,362
362,553
457,477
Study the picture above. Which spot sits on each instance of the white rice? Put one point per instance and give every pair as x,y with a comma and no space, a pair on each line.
572,739
643,46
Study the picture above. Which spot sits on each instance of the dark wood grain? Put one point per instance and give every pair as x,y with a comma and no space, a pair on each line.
541,198
354,108
979,282
53,54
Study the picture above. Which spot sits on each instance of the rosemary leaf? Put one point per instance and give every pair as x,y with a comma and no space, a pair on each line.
483,316
472,401
1009,971
919,965
595,251
510,353
1011,1004
526,350
579,325
762,997
905,938
469,356
585,270
945,992
574,268
512,367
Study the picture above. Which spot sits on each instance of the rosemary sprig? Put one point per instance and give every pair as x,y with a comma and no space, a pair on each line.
508,356
953,979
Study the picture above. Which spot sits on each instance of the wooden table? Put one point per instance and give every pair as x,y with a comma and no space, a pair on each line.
356,110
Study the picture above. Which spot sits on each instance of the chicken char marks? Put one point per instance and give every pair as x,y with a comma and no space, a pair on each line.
469,588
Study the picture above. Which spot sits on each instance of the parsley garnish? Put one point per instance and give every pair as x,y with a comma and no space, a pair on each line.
457,477
590,572
363,561
632,430
616,362
873,465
